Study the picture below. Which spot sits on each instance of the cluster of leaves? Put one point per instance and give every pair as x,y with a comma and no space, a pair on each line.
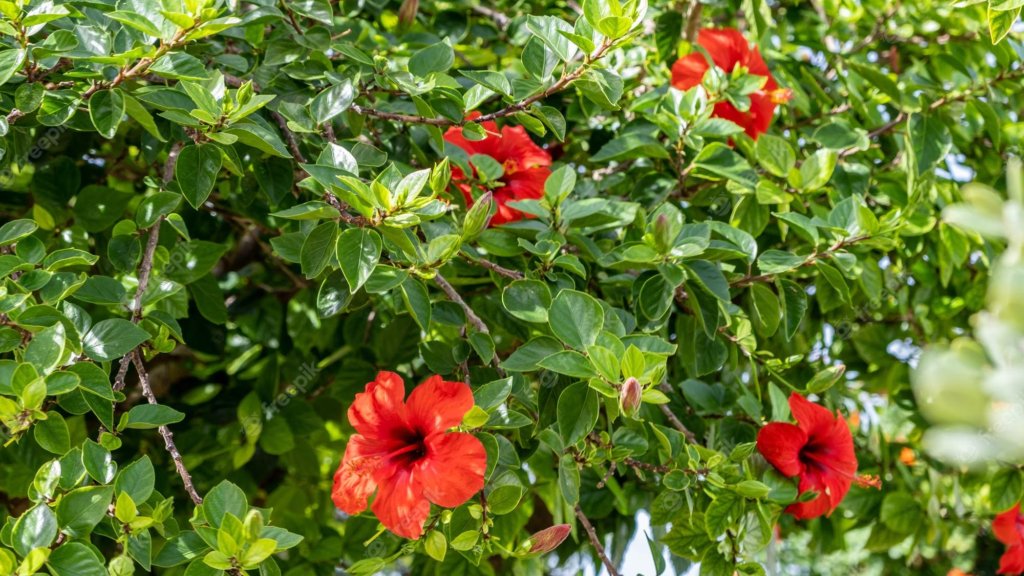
221,219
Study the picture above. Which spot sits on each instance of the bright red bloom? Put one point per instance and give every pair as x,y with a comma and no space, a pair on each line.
818,449
403,451
729,49
527,166
1009,529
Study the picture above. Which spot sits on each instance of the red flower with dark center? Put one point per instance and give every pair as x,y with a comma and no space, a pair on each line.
729,49
527,166
1009,529
404,451
818,449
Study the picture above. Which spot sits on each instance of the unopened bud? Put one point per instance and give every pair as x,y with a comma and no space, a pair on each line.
662,233
407,13
549,538
630,397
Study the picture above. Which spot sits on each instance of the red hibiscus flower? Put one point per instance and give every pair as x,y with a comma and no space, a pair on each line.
729,49
403,451
526,166
818,449
1009,529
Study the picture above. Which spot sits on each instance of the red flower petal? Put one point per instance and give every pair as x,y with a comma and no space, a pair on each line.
400,505
517,145
1012,561
1006,527
378,412
819,506
813,419
437,405
780,444
726,46
354,480
689,71
453,470
525,163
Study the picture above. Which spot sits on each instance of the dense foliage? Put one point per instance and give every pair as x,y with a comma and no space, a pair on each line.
675,265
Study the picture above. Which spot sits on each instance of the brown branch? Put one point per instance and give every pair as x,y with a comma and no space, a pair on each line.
500,19
945,100
145,268
564,82
168,436
141,68
289,136
506,272
592,534
811,260
673,419
172,161
471,316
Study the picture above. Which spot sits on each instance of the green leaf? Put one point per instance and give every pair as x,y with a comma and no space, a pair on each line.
417,301
358,251
576,318
52,434
570,363
435,545
79,511
775,155
225,498
930,140
75,559
106,108
196,172
333,101
112,338
147,416
434,58
46,348
35,528
136,480
901,512
10,62
527,300
11,232
1000,20
717,161
1006,489
569,479
317,249
578,409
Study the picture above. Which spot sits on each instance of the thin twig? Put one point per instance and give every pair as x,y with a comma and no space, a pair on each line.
471,316
506,272
592,534
289,136
675,421
564,82
145,268
172,449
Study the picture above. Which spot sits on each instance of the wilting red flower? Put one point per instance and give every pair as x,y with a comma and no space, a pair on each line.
818,449
729,49
403,451
1009,529
526,166
549,538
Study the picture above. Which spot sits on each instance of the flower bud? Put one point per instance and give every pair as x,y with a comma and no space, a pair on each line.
548,539
407,13
630,397
662,234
